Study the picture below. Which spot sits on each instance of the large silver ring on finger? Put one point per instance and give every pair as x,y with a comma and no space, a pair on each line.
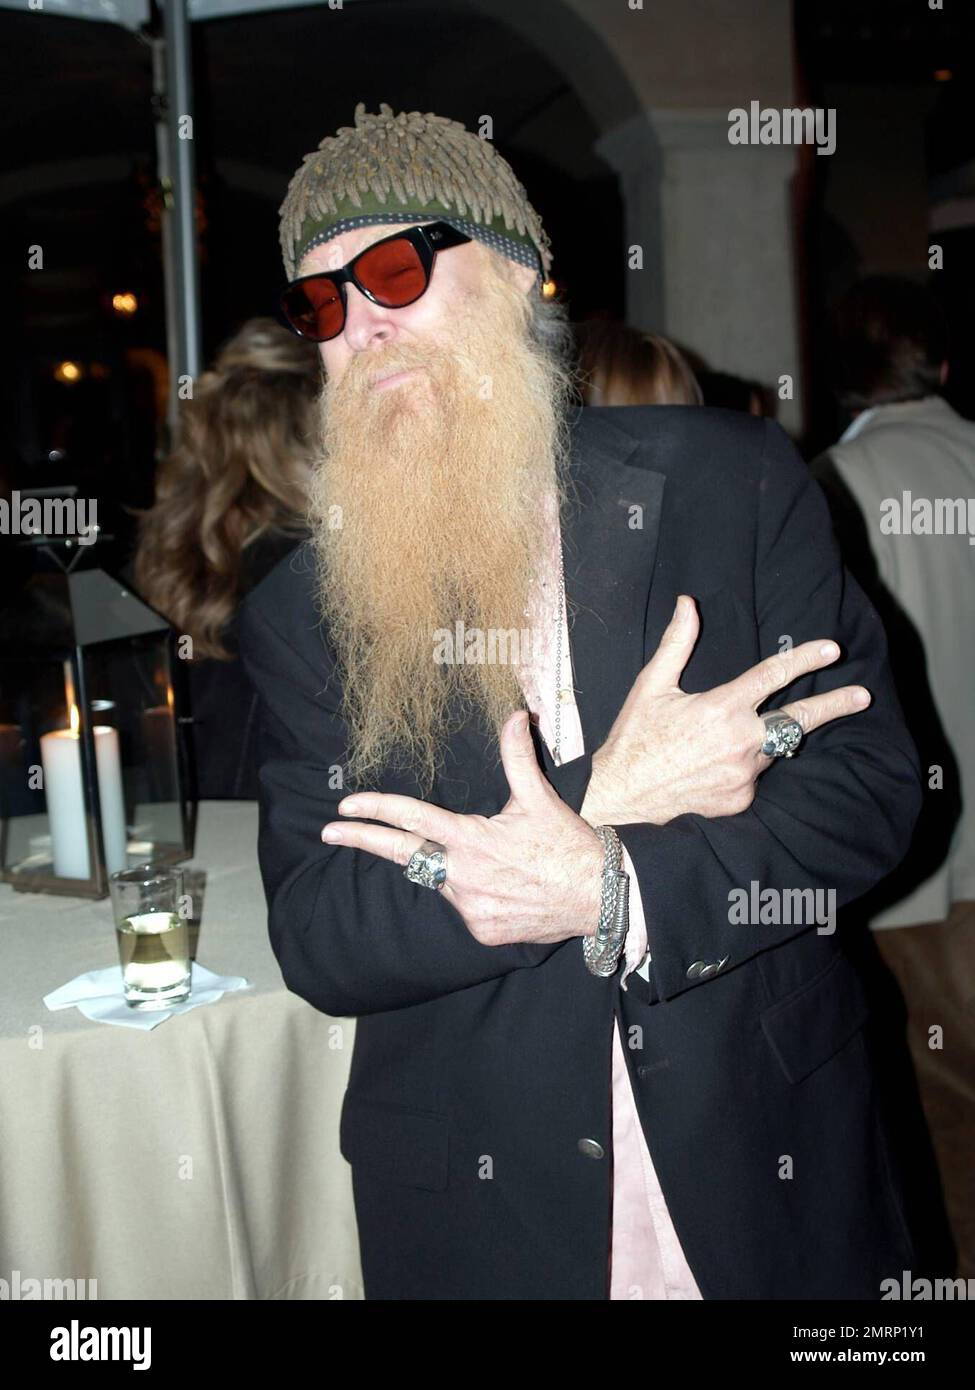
783,734
428,865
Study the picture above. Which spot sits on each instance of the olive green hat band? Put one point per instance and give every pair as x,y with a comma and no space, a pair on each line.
509,243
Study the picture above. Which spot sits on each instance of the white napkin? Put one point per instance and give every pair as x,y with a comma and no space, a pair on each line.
98,994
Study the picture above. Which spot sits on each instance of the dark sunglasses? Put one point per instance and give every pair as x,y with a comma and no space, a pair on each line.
393,272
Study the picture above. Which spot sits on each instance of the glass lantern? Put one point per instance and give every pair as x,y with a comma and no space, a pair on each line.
93,761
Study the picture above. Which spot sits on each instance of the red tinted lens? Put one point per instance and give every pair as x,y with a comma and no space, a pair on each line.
315,307
392,272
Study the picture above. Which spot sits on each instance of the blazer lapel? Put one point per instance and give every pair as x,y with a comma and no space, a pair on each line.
609,545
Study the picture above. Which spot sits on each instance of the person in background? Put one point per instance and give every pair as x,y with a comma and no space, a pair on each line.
734,393
906,455
229,504
619,365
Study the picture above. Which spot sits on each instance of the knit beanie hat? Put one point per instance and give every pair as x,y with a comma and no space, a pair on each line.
409,167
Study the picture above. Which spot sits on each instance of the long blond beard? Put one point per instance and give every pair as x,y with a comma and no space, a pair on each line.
428,508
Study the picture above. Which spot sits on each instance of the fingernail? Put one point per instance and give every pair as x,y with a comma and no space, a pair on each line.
862,697
349,807
332,832
678,611
829,649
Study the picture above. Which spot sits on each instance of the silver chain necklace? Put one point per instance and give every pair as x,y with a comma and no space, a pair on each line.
556,756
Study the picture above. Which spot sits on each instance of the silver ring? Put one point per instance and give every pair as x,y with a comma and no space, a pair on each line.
428,865
783,734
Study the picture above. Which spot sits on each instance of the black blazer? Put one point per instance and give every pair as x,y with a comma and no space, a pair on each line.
223,703
478,1070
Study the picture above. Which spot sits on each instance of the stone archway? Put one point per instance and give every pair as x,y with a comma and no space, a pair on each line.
713,222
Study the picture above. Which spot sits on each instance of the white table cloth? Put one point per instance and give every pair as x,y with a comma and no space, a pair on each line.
199,1160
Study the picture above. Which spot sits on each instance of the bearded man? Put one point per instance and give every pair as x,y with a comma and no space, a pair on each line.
580,1070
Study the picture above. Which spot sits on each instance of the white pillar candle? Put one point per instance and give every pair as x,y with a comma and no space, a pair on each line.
109,763
64,794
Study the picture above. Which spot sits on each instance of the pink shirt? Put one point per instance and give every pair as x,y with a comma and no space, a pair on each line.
645,1258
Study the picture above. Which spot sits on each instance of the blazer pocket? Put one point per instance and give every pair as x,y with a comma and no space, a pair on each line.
393,1143
811,1024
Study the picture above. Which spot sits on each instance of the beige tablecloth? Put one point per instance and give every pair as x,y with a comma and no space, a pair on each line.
198,1160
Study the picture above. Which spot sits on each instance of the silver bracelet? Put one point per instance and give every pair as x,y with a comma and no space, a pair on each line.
602,951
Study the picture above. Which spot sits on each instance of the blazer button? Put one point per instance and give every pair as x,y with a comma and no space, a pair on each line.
693,971
590,1148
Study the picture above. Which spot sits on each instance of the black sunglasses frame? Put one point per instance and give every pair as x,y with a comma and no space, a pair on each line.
426,241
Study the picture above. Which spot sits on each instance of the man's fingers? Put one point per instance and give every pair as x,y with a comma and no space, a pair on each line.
525,780
406,813
756,684
665,668
817,710
396,845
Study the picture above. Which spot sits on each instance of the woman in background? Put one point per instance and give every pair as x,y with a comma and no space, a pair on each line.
229,504
619,365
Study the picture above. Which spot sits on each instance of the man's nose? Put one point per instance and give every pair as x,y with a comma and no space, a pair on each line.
366,324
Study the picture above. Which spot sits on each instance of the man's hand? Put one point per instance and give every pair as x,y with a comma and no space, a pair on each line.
532,873
669,753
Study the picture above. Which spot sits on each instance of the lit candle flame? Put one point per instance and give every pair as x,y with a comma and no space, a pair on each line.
75,721
69,696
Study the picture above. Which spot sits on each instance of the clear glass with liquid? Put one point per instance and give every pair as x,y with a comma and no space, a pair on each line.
153,939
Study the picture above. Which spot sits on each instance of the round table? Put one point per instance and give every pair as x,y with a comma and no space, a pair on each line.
196,1160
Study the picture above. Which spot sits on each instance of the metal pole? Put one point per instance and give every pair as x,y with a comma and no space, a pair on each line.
165,181
179,211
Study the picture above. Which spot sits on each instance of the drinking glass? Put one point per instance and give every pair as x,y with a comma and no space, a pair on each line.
153,939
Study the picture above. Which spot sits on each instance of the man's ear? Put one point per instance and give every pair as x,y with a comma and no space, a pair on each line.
513,271
524,276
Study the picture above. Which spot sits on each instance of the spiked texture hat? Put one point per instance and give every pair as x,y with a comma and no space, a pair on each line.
409,167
